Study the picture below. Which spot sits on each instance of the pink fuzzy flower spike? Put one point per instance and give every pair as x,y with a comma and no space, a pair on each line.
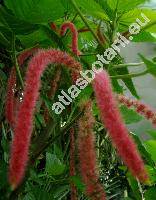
112,119
71,26
10,108
87,155
24,120
141,108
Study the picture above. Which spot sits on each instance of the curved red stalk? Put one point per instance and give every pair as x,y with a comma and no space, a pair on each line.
112,119
53,26
24,121
141,108
87,155
72,163
10,107
71,26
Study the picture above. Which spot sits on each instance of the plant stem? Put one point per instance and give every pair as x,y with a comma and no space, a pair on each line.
16,63
85,22
130,75
127,64
90,54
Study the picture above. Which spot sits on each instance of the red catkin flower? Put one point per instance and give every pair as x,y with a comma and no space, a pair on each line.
87,155
112,119
141,108
71,26
10,107
24,120
72,163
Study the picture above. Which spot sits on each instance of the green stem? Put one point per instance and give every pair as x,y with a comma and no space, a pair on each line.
90,54
127,64
85,22
16,63
130,75
148,26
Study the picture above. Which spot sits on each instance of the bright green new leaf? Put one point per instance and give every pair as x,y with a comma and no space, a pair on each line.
151,148
151,66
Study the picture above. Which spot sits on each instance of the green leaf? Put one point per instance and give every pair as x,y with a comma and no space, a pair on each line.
152,173
17,25
78,183
150,194
128,82
151,148
143,151
151,66
54,165
92,8
126,5
145,37
152,133
134,186
36,11
129,115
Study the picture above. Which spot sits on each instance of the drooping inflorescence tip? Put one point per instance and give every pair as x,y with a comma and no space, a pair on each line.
71,26
24,120
118,132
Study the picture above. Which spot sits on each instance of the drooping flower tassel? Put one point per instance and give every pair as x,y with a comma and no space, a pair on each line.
10,108
141,108
112,119
71,26
72,163
87,155
24,120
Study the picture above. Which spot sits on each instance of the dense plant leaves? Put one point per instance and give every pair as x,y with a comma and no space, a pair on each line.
78,183
150,194
152,133
128,81
134,186
130,17
122,6
151,66
151,148
40,11
143,151
17,25
54,165
129,115
145,37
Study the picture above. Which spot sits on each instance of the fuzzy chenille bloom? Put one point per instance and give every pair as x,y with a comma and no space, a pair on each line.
87,155
10,108
113,121
24,120
141,108
71,26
